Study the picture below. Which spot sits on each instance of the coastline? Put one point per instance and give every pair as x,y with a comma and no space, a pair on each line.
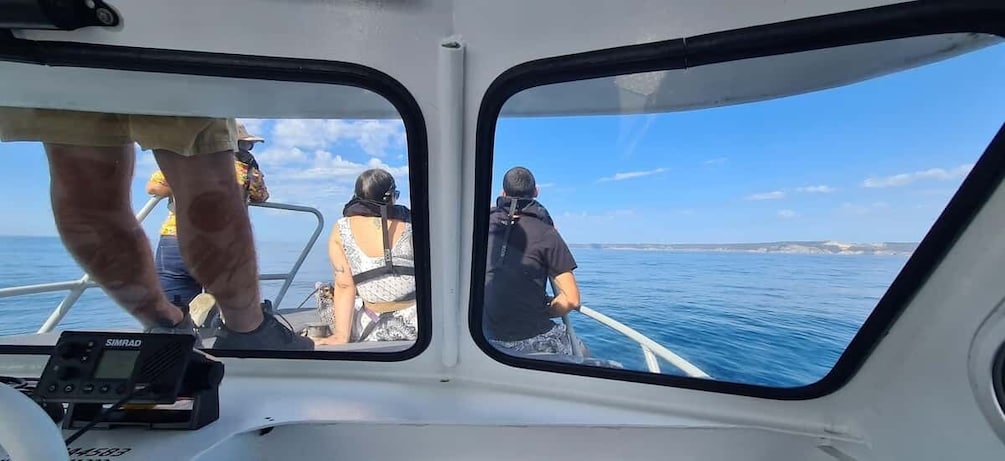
784,247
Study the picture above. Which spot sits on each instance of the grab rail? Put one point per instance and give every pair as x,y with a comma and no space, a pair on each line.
289,276
79,286
650,349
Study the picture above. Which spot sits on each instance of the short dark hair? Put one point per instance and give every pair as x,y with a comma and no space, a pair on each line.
375,184
519,182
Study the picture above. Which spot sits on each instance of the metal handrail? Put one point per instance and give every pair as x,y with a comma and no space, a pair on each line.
577,350
79,286
289,276
76,287
650,349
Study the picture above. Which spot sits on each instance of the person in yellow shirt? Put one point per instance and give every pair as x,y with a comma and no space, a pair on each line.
178,284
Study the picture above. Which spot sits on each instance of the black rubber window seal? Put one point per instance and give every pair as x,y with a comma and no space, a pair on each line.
850,28
69,54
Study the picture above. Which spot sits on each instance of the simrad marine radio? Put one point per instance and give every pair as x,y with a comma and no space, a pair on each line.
155,380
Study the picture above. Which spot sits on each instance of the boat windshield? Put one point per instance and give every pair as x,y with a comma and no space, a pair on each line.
252,214
735,238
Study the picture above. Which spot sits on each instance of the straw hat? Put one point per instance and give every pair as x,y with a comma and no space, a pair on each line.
243,135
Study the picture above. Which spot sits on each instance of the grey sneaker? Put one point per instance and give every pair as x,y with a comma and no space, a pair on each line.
271,335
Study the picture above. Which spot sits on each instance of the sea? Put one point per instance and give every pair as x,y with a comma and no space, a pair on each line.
771,319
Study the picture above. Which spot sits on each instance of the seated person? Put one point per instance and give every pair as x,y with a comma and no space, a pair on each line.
178,284
525,251
371,255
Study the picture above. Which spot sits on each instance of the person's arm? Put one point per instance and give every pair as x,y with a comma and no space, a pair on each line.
344,296
257,192
567,298
560,266
158,185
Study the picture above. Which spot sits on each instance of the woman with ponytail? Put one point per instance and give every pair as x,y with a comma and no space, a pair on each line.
372,257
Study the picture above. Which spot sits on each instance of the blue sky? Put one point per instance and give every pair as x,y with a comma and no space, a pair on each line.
875,161
305,162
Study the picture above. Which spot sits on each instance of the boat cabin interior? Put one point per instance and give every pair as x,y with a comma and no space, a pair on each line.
642,120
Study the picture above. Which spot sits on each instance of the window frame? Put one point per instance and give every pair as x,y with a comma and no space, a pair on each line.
998,376
295,70
815,33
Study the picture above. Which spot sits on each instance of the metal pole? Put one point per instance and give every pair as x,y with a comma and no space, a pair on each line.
85,282
576,350
40,288
444,218
65,305
651,362
288,280
656,348
569,330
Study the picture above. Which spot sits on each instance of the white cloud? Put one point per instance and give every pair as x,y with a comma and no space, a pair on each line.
631,175
546,185
316,162
375,137
323,177
903,179
716,161
327,165
280,156
821,189
300,165
787,214
773,195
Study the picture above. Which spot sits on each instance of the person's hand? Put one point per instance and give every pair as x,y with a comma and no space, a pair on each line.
328,340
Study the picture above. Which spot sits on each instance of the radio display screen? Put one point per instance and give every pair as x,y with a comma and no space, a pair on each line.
116,364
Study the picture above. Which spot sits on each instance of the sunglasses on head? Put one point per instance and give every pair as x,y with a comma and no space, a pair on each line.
393,192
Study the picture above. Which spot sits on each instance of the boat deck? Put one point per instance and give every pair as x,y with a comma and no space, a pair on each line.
298,318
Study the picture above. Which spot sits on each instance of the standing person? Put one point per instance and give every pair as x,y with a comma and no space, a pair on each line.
91,158
525,251
371,255
178,284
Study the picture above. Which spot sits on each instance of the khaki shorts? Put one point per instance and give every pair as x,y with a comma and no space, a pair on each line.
186,136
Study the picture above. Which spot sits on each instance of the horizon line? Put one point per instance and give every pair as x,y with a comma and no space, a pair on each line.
762,242
759,242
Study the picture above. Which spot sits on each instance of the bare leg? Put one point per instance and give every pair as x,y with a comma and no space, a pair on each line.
214,233
90,192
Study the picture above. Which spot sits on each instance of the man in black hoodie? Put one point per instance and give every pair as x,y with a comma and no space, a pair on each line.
525,251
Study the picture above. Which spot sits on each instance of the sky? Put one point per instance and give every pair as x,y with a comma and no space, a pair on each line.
305,162
870,162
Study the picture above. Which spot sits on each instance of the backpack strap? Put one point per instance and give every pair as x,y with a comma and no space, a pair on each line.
388,268
509,229
374,323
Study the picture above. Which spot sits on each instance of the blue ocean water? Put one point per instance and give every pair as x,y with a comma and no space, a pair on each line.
770,319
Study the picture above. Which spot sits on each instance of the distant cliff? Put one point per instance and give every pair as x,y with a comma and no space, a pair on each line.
830,247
